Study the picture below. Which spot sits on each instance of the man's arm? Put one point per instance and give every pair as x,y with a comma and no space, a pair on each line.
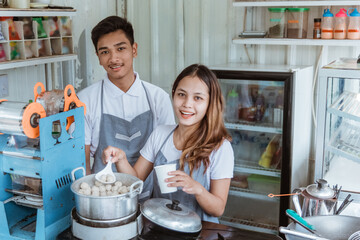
87,159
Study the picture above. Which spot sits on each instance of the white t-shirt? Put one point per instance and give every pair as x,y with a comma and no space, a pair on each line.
221,160
125,105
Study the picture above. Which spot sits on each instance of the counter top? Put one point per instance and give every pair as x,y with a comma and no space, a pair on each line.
210,231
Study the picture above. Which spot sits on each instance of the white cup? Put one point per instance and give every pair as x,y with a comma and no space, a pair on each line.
19,3
162,174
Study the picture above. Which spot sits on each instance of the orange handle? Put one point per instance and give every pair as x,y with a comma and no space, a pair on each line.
72,98
41,85
281,195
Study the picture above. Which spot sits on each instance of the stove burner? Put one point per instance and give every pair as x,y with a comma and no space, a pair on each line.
150,233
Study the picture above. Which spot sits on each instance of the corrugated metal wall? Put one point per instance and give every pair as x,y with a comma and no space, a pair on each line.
171,35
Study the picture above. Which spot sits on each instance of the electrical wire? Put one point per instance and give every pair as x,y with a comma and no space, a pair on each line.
244,25
313,86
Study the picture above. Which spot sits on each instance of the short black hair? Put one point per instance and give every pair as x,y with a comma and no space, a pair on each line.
109,25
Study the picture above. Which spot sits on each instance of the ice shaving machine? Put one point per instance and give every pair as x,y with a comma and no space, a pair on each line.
40,144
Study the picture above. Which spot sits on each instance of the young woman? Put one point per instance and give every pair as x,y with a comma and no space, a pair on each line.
199,144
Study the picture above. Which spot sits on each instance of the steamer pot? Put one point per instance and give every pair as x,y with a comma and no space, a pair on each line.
106,207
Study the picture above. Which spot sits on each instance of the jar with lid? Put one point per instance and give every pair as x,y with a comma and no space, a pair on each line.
353,31
317,28
277,22
297,22
327,25
340,24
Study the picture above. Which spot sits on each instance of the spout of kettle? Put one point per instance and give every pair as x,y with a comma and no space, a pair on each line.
295,199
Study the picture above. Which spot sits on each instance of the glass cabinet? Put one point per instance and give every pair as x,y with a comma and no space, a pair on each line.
338,128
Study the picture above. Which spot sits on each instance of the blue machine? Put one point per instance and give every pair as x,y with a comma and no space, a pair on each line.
35,178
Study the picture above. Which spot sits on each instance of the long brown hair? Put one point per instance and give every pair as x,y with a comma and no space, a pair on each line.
211,132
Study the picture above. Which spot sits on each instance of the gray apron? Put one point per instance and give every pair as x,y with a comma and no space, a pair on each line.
188,200
130,136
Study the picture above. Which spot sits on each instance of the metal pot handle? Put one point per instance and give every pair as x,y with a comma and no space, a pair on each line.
73,172
138,190
300,234
295,199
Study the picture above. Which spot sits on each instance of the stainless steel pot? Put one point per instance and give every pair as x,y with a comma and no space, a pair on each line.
318,199
106,207
337,227
171,217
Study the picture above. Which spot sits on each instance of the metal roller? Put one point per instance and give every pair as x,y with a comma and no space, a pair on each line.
57,101
52,101
19,118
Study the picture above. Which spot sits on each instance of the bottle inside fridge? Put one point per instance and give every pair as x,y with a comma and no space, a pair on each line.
232,102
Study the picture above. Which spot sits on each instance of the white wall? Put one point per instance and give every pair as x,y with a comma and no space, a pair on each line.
175,34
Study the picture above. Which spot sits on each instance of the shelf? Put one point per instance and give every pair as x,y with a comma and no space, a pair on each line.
254,168
36,61
249,225
263,3
299,42
346,142
348,106
242,192
254,127
10,12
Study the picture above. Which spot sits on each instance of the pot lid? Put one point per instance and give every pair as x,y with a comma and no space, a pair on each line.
320,190
171,215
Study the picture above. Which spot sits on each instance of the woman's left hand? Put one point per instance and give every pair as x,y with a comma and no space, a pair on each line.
181,179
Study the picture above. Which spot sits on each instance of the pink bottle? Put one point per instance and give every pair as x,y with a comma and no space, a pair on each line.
353,31
340,24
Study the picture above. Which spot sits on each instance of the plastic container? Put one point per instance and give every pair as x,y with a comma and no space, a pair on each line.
26,184
232,106
277,22
353,31
264,184
327,25
297,22
340,24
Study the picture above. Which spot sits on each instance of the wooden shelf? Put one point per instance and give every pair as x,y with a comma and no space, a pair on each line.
36,61
263,3
35,12
303,42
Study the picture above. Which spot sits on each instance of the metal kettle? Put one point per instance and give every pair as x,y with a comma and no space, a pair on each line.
318,199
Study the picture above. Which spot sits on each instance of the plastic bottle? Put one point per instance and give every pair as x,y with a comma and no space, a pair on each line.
246,104
260,106
317,28
340,24
232,103
278,109
353,31
327,25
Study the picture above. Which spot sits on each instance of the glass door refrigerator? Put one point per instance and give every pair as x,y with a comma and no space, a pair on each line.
268,114
338,129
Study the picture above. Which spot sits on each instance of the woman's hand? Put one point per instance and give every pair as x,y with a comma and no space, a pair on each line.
181,179
116,154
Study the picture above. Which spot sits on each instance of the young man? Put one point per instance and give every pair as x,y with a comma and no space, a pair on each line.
122,110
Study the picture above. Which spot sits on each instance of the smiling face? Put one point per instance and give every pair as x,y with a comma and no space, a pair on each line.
116,55
190,101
